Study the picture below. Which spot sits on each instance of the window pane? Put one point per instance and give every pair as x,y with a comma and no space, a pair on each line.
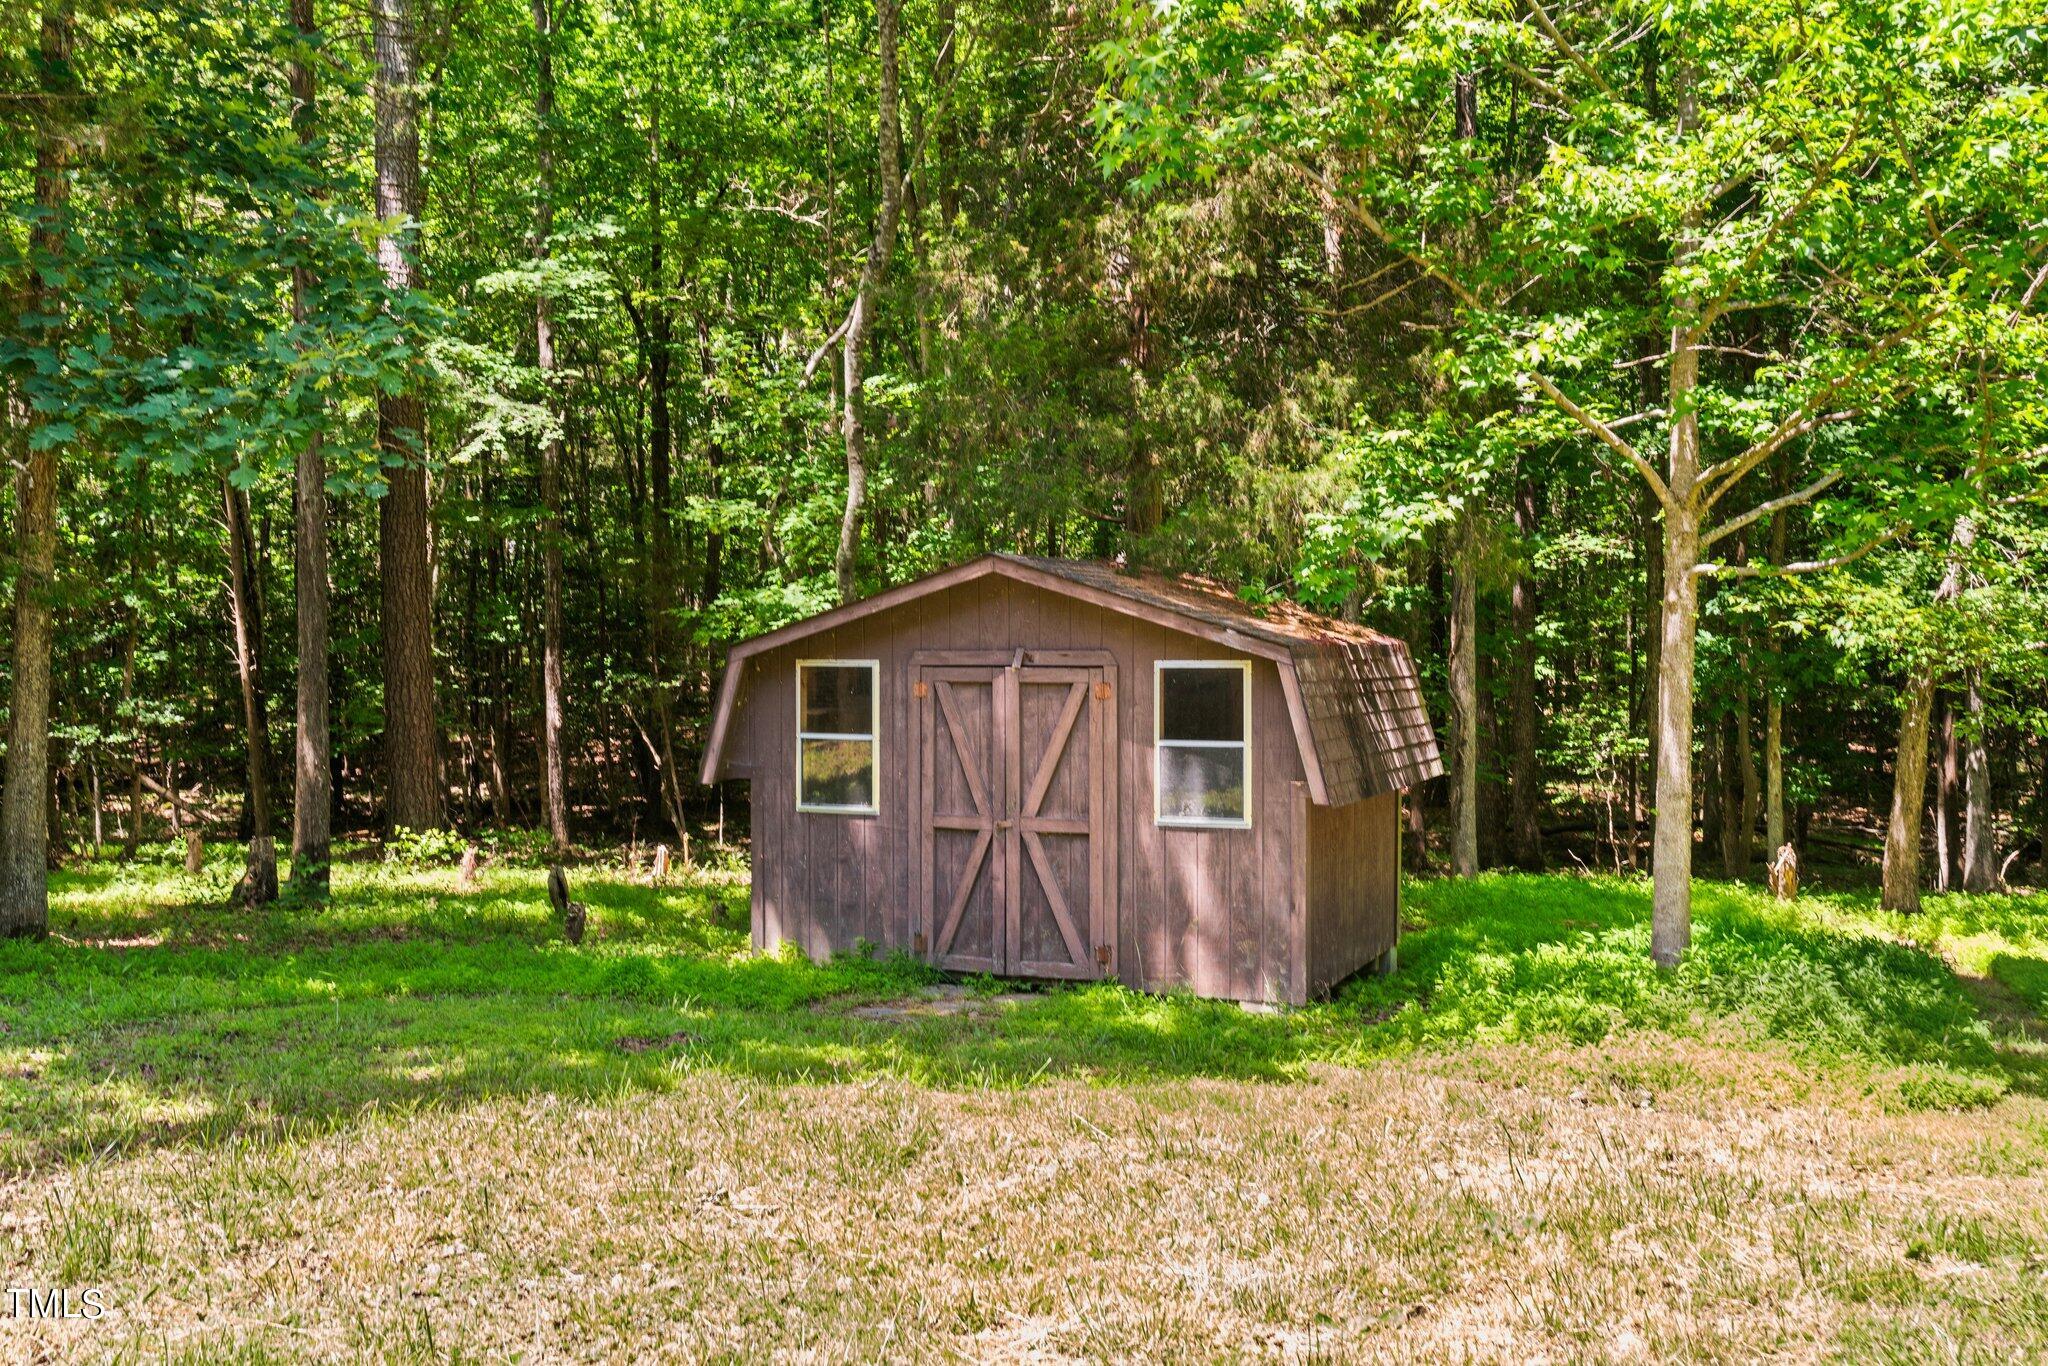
1201,704
839,698
838,773
1201,784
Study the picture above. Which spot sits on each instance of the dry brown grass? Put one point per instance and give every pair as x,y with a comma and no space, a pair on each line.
1656,1196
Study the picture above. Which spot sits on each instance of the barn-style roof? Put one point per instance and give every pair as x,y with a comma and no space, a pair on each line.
1352,692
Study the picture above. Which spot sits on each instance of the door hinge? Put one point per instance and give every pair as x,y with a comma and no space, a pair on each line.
1102,692
917,942
920,689
1102,955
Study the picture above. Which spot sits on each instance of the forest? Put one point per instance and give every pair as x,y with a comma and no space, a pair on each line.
408,404
409,401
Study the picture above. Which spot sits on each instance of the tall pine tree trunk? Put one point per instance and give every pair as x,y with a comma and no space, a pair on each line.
412,777
874,271
553,788
312,757
259,879
24,800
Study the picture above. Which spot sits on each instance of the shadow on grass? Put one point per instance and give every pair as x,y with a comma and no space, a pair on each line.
162,1022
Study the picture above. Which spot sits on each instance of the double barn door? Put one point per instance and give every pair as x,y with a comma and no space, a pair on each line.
1016,812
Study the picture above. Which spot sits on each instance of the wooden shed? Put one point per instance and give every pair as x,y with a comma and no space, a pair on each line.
1056,768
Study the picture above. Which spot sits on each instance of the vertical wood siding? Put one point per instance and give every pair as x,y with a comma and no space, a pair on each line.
1354,887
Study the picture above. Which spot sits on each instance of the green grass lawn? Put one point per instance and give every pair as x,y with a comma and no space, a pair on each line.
188,1090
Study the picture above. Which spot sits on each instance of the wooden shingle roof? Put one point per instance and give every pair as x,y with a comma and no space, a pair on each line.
1352,693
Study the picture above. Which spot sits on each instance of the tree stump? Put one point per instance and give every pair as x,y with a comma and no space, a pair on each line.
466,871
1784,873
195,852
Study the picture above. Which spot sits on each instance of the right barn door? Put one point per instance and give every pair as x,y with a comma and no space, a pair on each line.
1060,900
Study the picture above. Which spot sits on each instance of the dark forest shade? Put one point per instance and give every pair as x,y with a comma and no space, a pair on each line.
965,768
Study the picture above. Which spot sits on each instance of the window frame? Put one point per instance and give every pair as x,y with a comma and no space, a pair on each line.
1161,744
873,737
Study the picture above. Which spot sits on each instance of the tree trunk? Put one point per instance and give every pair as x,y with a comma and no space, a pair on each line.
24,799
713,582
1712,773
1465,610
259,881
1980,835
1774,701
1909,770
1734,837
1671,848
131,836
1774,773
1751,788
873,272
1465,700
553,789
2041,811
657,340
412,772
1946,785
1525,778
1653,631
1678,623
944,137
1909,778
313,766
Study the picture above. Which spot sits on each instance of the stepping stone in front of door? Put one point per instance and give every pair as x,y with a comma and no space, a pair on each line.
948,999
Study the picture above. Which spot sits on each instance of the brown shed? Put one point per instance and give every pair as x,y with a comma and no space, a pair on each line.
1054,768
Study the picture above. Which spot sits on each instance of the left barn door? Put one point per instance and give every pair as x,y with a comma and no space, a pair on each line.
963,734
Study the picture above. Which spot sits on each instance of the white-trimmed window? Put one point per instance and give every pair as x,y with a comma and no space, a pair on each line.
838,725
1202,742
